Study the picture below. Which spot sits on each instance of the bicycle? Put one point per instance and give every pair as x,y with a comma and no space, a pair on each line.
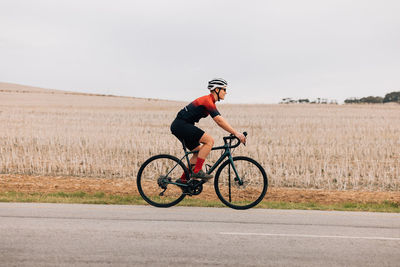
240,182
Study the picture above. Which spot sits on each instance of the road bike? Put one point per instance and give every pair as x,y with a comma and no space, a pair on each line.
240,182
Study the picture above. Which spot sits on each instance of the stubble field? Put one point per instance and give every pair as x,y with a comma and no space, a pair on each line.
329,147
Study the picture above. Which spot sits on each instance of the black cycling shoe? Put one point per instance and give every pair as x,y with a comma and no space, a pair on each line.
202,175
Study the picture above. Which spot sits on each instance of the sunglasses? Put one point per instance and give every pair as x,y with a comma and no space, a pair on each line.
220,88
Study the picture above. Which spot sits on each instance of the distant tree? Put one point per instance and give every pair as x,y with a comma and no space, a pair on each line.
286,100
352,100
392,97
304,100
366,100
319,100
372,99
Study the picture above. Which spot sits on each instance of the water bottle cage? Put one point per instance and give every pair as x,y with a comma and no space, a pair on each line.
208,167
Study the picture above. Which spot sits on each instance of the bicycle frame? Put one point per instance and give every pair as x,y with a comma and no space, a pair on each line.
234,191
227,153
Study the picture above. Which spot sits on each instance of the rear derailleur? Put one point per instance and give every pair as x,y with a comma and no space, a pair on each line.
163,182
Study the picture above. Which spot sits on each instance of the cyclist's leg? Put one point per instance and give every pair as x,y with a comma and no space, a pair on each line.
195,139
207,143
192,161
198,159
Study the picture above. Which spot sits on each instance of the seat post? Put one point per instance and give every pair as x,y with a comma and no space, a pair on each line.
183,145
186,155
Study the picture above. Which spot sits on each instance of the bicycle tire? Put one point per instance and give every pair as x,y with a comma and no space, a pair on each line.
175,193
238,203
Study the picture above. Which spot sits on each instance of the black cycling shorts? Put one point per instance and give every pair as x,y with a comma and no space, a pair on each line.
187,132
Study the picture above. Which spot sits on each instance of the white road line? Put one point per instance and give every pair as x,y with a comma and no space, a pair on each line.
316,236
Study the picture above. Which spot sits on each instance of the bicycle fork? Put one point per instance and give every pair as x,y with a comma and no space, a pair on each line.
236,179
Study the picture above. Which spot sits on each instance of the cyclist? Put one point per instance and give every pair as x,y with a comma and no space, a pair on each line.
195,138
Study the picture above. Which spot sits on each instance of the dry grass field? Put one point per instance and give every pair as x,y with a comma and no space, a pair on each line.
331,147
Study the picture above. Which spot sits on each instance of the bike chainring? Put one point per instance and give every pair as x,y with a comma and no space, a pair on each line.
195,187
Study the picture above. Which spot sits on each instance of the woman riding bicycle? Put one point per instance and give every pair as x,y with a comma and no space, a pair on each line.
194,138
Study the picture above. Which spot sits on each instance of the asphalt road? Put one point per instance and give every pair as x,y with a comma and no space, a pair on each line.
100,235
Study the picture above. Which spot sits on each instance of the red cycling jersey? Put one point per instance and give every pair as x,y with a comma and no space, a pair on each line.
199,108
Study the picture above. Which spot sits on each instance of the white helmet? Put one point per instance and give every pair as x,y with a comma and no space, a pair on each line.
217,83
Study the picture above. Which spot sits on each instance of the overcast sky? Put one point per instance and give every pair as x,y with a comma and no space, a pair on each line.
266,50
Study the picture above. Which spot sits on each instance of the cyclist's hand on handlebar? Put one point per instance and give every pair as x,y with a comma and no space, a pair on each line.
241,137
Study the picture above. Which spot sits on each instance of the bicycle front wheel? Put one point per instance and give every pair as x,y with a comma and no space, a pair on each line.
239,195
154,177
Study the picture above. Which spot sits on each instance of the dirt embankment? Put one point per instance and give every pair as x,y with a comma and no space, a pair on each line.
45,184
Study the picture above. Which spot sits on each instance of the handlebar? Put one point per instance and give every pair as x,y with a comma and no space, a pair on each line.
232,137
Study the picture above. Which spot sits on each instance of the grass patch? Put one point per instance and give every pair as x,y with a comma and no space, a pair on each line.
385,206
74,197
102,198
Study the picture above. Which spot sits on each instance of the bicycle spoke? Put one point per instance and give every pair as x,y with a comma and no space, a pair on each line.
155,178
245,192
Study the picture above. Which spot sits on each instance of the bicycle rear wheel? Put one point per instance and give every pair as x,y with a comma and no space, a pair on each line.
154,177
241,196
